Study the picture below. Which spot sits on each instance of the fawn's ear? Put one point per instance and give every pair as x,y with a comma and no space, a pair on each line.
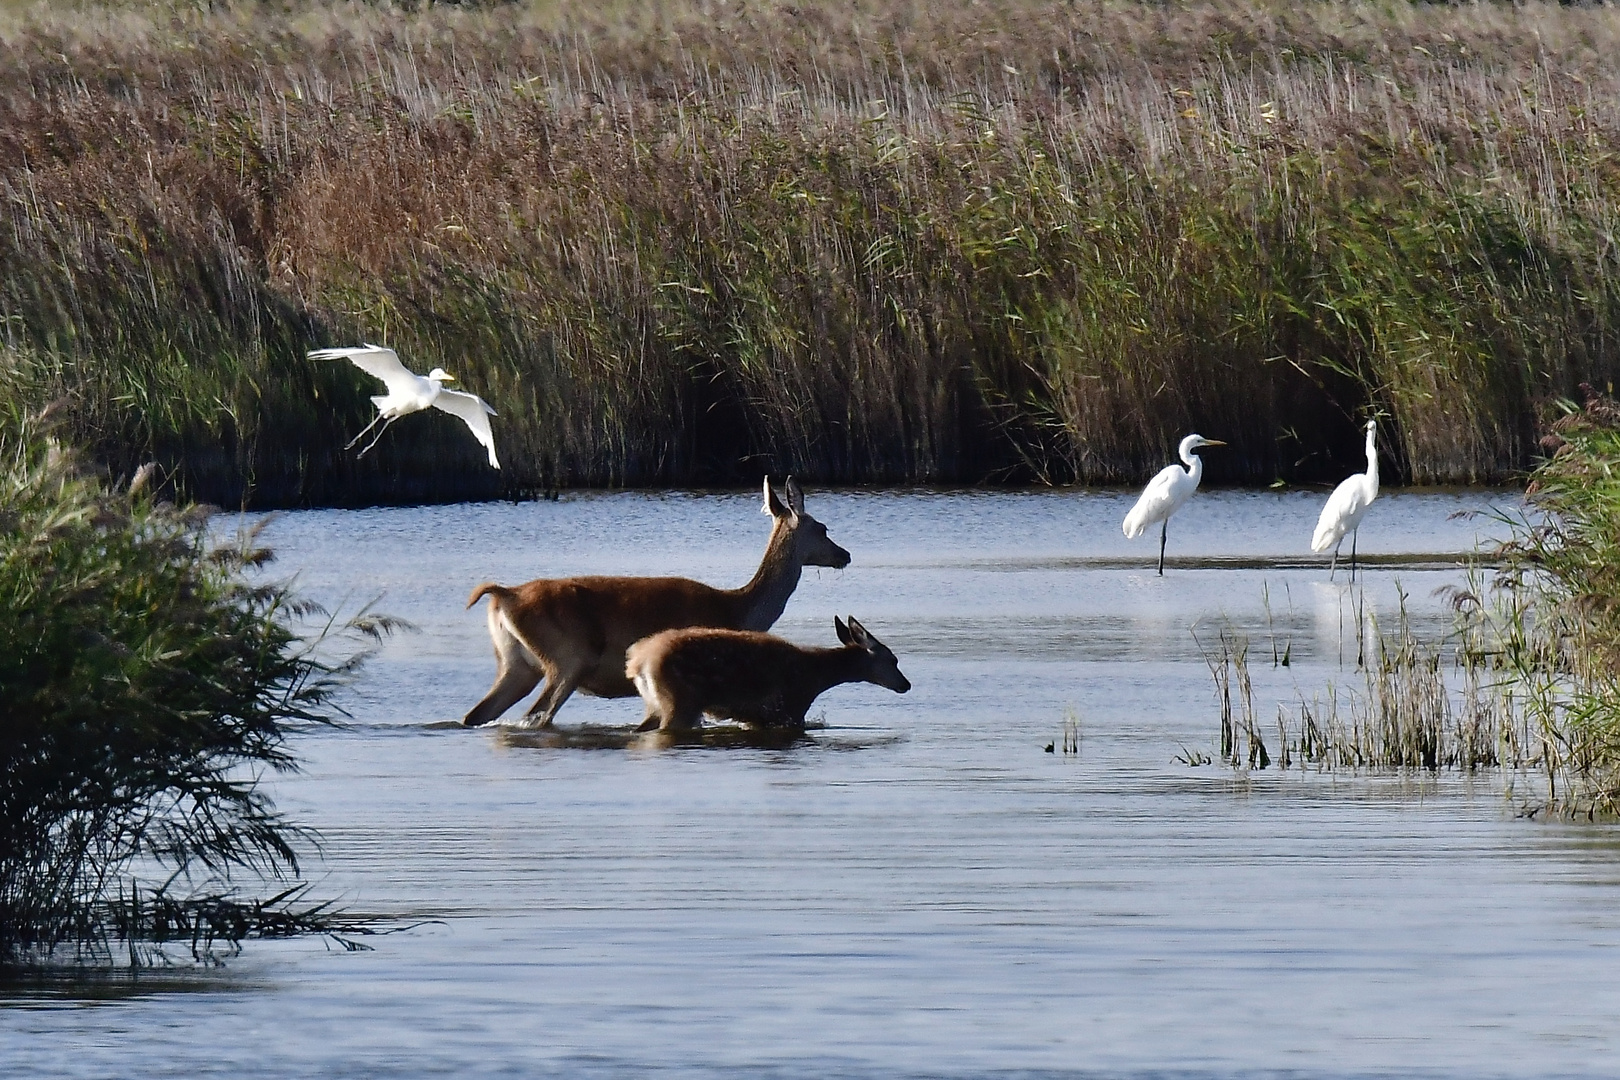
843,631
795,497
773,506
858,634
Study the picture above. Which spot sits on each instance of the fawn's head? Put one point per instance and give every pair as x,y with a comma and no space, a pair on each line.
881,667
811,544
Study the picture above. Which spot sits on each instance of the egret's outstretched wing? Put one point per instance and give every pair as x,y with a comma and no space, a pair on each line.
374,360
1159,500
475,413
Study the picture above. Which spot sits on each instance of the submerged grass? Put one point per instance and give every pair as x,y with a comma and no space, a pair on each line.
689,242
146,688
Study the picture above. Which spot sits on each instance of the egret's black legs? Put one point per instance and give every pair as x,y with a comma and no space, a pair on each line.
1164,528
373,442
1353,553
364,432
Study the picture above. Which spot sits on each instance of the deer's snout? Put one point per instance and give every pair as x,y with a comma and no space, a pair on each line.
837,558
899,684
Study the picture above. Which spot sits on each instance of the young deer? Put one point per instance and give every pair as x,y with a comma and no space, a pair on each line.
752,677
574,631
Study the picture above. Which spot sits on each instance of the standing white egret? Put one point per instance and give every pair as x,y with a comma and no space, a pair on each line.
408,393
1167,491
1347,506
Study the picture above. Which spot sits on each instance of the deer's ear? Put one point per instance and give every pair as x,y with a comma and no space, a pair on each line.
858,634
843,631
795,497
773,506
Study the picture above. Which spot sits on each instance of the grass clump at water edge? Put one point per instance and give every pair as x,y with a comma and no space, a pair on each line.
1420,705
147,687
1558,602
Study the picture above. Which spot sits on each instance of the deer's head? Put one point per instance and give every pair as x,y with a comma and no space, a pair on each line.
811,544
880,666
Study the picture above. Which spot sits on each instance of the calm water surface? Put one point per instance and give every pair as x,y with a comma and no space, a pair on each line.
916,889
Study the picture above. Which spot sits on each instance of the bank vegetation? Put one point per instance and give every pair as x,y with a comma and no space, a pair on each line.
150,678
691,241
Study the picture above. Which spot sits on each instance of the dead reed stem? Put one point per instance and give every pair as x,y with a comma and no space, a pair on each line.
1426,706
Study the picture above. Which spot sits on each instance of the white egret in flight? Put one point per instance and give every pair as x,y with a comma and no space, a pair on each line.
1167,491
1347,506
408,393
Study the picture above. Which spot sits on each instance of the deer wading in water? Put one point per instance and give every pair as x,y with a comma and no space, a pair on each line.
574,631
752,677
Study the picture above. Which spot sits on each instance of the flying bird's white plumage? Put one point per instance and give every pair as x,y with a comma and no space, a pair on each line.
1167,491
1347,506
409,393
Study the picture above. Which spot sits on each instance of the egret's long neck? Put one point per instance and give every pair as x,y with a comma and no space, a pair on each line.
1194,463
1372,459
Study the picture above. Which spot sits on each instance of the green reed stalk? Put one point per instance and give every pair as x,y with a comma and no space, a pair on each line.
1010,241
1560,594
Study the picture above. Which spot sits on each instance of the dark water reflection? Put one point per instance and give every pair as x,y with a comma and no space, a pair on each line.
913,888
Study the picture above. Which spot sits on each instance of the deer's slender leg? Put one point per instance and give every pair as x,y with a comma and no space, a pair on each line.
660,706
512,685
516,672
559,687
681,718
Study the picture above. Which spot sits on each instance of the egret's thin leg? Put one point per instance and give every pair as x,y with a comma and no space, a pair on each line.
364,432
1164,529
374,442
1334,565
1353,533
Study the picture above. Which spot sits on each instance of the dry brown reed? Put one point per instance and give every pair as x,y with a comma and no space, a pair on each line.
690,241
1420,705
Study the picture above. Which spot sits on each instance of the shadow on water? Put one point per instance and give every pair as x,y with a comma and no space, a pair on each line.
710,737
65,987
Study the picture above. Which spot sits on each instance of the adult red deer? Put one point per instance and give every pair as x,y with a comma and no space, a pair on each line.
574,631
748,676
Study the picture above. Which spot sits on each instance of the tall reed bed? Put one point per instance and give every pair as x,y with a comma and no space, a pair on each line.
693,241
146,688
